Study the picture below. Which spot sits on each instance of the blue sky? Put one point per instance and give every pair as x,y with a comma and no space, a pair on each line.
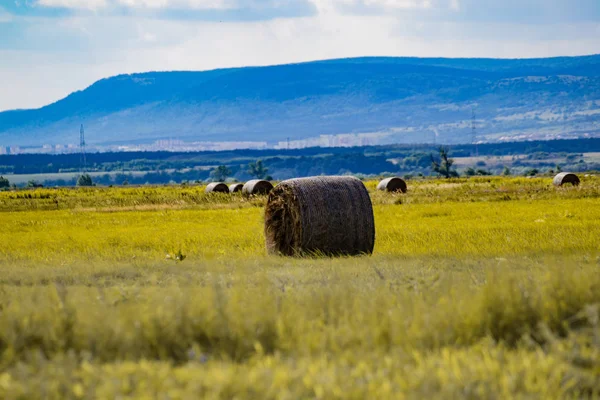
49,48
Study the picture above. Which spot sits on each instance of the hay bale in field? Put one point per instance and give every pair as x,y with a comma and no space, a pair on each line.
216,187
566,177
257,186
235,187
321,215
394,184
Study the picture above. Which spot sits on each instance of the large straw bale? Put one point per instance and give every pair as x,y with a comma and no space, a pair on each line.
566,177
216,187
394,184
320,216
257,186
235,187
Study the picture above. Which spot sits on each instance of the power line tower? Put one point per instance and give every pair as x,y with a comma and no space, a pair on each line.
474,132
82,149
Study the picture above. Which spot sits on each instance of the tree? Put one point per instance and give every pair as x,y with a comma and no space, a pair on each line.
220,173
506,171
4,183
444,166
34,184
531,172
472,172
257,170
85,180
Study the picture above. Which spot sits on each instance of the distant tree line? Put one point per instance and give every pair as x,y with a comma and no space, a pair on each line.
413,156
283,164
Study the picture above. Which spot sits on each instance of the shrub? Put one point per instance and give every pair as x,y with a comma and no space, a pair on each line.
4,183
85,180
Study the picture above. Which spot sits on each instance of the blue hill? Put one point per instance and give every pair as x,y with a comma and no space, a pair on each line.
398,99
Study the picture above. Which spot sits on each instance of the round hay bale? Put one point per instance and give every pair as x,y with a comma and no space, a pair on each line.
566,177
257,186
321,215
216,187
394,184
235,187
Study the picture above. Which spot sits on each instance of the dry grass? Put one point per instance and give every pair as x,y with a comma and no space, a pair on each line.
476,297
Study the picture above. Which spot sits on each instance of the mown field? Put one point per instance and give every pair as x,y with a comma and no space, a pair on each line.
478,288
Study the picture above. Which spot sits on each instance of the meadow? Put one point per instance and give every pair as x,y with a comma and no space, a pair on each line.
478,288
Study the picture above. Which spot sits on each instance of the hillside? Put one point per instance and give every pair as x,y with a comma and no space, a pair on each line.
395,99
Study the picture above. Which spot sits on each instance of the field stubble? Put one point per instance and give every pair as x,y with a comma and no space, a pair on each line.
481,288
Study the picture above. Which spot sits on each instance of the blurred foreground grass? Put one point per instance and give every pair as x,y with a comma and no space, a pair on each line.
470,294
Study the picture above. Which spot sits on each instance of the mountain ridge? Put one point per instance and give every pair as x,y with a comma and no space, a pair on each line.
404,98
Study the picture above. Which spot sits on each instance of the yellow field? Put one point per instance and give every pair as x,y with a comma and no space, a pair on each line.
480,288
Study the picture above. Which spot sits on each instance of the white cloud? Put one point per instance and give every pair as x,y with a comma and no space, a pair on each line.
74,4
181,4
384,5
94,5
240,4
5,16
399,4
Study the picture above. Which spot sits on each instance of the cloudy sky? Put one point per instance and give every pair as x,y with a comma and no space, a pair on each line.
49,48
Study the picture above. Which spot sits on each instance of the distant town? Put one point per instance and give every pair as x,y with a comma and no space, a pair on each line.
176,145
422,134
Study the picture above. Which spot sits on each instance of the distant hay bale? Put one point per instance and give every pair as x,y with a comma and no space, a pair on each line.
566,177
257,186
321,215
235,187
216,187
394,184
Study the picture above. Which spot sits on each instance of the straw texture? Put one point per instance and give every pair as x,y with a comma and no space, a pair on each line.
394,184
257,186
216,187
566,177
320,216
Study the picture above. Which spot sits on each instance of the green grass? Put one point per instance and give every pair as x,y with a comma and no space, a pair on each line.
486,288
406,230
